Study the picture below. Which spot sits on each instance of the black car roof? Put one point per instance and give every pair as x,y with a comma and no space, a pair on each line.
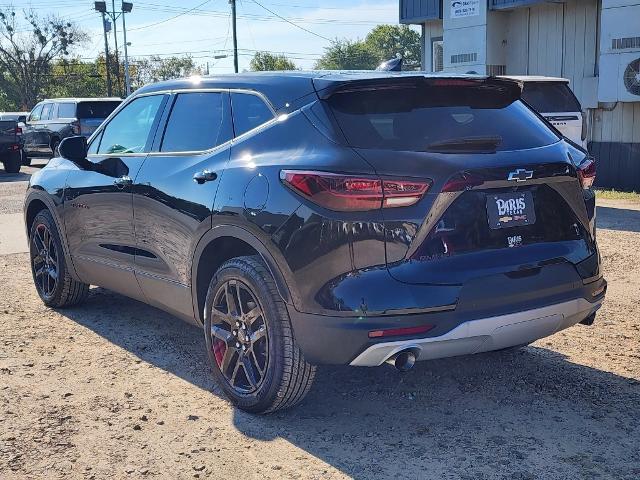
282,88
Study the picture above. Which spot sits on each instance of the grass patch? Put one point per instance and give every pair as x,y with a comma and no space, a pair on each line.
615,195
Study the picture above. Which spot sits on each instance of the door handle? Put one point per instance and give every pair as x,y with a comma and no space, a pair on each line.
205,176
122,182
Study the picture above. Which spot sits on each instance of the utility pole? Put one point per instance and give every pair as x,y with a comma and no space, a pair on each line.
115,38
106,54
126,8
235,35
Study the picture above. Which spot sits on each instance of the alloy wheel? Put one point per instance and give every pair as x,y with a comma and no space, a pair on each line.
239,337
44,261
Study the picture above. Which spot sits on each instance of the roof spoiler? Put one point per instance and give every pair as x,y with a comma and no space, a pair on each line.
508,89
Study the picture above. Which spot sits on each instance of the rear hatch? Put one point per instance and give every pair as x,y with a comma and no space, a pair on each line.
91,115
556,102
505,193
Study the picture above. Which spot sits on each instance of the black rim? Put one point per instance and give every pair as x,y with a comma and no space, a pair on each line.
239,337
44,261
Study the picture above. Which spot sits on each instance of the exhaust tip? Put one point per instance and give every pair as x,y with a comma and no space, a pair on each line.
403,361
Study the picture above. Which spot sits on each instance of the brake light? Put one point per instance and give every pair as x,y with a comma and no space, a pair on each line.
354,193
18,130
587,173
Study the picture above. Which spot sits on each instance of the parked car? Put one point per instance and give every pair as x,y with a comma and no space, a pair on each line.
53,120
317,218
553,98
21,119
10,146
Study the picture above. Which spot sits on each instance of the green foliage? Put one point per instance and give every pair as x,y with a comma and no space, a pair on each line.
265,61
387,41
156,69
382,43
28,47
348,55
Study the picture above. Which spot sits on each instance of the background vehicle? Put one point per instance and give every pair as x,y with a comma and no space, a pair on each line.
553,99
325,218
21,118
10,146
51,121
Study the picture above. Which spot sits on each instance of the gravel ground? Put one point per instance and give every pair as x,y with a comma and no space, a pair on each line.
116,389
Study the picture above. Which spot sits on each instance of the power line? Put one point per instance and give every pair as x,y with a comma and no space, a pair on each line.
172,18
292,23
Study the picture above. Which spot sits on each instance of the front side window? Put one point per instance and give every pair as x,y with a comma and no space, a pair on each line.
129,130
199,121
36,113
66,110
249,112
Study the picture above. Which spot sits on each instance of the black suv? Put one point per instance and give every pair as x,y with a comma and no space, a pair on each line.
325,218
51,121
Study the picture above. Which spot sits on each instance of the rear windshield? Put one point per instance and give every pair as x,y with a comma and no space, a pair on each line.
549,97
439,119
96,109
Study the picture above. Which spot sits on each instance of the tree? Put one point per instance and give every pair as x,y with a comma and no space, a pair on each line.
156,69
27,52
386,41
348,55
382,43
265,61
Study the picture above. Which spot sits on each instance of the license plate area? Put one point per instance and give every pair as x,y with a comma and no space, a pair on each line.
514,209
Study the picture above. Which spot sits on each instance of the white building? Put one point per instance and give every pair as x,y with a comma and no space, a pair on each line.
594,43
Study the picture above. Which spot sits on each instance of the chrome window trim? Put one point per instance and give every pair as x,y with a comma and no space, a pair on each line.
177,91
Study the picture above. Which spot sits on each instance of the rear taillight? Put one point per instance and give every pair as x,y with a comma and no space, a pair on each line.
75,127
354,193
18,131
587,173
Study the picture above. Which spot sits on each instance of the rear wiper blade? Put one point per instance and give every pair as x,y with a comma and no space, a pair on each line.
466,144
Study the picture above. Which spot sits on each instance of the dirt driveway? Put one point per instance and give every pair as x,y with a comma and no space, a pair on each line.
116,389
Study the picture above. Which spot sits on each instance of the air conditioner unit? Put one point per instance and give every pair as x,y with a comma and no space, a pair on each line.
620,52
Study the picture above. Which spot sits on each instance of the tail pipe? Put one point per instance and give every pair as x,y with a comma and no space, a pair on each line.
403,361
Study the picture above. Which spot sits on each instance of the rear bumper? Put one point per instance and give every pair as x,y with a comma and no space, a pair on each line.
486,334
474,325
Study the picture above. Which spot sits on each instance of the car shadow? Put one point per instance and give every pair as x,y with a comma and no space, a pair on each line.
619,219
525,414
13,177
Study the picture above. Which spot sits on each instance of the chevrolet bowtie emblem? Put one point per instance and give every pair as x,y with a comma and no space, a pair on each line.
521,175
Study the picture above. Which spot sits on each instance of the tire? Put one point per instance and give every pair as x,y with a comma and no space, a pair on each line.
26,160
59,290
12,163
55,143
286,377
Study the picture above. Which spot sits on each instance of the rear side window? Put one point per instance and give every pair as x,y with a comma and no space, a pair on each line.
439,119
198,122
99,110
550,97
128,131
66,110
249,112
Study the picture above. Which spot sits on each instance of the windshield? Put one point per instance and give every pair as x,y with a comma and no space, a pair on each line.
100,110
439,119
549,97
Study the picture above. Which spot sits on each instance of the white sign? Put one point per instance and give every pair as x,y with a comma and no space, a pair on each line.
465,8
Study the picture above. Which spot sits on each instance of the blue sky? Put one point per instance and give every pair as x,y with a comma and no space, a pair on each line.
204,32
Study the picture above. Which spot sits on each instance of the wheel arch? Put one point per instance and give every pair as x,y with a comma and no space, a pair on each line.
37,201
223,243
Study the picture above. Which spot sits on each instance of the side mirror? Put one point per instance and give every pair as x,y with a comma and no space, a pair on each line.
73,148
